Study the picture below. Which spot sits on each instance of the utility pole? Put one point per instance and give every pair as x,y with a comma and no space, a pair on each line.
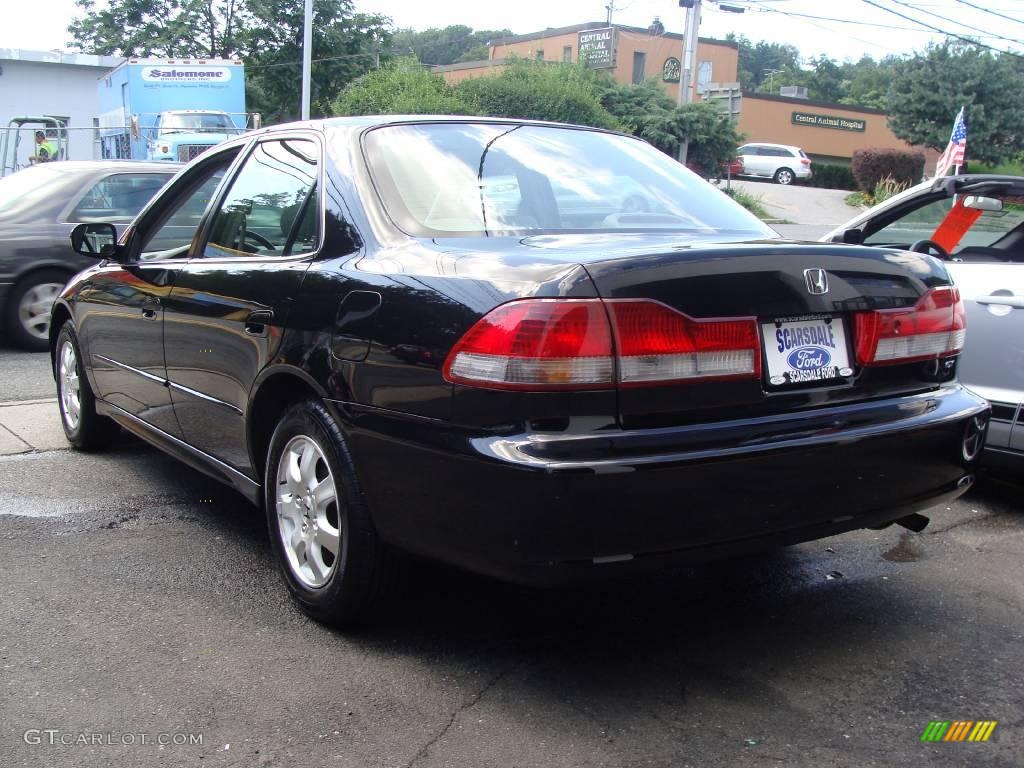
307,56
611,9
688,81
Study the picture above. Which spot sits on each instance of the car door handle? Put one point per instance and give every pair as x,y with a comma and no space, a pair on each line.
256,323
1017,302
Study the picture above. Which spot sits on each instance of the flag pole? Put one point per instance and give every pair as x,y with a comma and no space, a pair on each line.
963,113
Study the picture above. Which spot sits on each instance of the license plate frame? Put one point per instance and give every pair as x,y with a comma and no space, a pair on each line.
804,350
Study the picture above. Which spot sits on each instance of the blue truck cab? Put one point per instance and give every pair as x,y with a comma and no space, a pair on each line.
171,109
180,135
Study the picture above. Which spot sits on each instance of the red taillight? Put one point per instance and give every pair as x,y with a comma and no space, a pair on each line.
934,327
537,344
541,344
804,161
657,344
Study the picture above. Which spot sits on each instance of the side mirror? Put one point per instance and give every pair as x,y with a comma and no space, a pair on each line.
853,236
97,240
979,203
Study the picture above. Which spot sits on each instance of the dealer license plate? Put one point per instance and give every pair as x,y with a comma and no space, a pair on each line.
806,349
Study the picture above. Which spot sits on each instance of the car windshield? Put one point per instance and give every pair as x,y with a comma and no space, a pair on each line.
213,122
28,186
462,179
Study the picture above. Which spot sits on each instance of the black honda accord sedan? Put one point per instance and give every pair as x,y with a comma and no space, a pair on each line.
535,351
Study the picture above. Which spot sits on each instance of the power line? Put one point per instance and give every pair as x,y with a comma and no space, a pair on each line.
942,31
986,33
873,43
989,10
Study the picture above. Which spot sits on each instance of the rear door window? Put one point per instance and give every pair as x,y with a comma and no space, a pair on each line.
119,196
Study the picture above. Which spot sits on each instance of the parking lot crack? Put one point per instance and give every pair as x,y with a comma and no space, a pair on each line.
466,706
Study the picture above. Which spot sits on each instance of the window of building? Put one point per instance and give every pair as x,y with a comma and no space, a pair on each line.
539,55
639,64
704,76
567,53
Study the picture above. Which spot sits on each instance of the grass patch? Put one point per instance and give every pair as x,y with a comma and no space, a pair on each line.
1013,168
883,190
751,202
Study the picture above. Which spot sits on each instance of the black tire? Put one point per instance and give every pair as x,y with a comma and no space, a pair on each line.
363,565
36,337
784,176
90,431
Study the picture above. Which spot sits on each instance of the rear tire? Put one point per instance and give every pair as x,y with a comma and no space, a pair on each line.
332,560
29,306
784,176
84,428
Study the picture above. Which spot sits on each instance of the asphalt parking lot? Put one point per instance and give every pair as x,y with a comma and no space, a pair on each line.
138,598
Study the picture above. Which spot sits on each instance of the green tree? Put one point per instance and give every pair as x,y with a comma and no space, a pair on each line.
567,93
345,45
646,111
757,59
401,87
175,28
928,89
445,46
267,34
866,82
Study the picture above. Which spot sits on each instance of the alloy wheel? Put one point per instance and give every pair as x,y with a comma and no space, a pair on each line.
35,306
307,512
784,176
70,386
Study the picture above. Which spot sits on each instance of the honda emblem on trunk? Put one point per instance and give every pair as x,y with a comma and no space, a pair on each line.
816,280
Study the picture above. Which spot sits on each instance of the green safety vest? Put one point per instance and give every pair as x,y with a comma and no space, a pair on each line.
46,151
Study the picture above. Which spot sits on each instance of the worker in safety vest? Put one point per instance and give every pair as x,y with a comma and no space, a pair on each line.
45,151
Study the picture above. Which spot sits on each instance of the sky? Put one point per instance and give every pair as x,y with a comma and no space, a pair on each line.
856,28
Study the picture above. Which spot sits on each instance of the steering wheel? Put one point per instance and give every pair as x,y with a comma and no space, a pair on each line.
260,240
928,246
635,204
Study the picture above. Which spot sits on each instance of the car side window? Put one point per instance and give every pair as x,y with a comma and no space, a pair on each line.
271,208
120,195
171,233
921,223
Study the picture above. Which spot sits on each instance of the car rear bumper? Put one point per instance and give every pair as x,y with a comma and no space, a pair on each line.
547,508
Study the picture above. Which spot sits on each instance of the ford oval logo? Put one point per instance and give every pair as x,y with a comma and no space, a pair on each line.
809,358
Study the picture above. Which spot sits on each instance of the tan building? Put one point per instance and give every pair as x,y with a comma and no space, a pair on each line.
629,54
829,132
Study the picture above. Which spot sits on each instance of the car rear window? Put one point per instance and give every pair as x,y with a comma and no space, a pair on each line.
472,179
30,186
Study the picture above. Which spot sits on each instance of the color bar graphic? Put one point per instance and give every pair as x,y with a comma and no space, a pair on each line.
958,730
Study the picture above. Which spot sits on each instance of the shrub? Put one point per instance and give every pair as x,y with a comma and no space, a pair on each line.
401,87
564,93
886,188
870,166
645,111
832,176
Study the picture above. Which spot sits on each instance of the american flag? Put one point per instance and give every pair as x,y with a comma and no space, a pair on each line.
954,154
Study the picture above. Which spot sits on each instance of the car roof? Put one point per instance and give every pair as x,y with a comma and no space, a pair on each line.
769,144
83,166
373,121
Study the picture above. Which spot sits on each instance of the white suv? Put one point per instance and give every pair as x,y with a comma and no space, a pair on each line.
778,162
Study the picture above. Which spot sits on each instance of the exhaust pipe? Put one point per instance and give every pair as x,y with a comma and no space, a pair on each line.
914,522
